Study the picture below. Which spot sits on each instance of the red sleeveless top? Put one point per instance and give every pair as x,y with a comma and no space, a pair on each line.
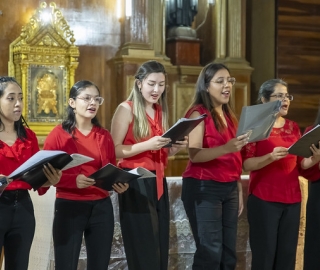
226,168
153,160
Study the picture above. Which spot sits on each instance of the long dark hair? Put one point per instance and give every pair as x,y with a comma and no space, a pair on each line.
69,124
18,125
203,97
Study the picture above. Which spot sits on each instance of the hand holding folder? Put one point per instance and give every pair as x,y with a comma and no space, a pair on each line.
110,174
257,120
302,146
31,171
3,184
182,128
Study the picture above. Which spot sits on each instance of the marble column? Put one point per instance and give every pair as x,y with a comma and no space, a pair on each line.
144,29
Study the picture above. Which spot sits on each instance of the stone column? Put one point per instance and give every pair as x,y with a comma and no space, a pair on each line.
221,32
236,30
230,48
144,29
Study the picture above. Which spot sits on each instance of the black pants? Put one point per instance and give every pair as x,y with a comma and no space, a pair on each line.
212,209
145,225
74,219
17,225
312,236
273,233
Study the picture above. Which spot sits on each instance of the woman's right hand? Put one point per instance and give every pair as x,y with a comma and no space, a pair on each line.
235,144
278,153
84,182
157,142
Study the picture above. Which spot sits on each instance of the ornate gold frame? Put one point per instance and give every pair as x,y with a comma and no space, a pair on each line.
43,59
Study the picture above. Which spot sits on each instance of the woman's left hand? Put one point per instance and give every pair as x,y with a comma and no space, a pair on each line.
178,146
120,187
315,152
52,174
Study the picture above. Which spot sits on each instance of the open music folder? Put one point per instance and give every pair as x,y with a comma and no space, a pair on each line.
110,174
182,128
302,146
31,171
257,120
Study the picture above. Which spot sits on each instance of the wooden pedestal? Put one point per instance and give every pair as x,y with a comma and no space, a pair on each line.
183,51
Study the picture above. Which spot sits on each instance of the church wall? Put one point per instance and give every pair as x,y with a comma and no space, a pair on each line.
298,56
97,33
283,41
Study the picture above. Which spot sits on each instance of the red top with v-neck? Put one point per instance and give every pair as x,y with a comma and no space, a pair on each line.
226,168
98,144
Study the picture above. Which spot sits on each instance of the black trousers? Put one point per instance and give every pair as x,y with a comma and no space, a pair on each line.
273,234
145,225
74,219
212,209
17,225
312,234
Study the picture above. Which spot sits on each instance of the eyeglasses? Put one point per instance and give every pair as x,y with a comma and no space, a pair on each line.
223,81
89,99
281,96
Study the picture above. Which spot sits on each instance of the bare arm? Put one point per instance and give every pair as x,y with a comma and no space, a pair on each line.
256,163
199,154
119,128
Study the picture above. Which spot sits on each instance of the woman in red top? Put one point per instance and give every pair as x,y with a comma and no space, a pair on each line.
136,129
211,190
312,231
81,208
17,144
274,192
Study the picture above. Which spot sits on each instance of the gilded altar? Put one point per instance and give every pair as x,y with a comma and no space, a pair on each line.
43,59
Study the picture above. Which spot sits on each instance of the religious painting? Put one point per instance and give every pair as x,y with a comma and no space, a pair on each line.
46,94
43,59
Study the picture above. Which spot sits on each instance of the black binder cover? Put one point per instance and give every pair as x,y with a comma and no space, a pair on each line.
302,146
182,128
34,174
110,174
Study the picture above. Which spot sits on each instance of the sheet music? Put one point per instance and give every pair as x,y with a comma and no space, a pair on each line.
77,159
43,154
144,173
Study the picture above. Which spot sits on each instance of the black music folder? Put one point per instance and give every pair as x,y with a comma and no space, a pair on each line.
110,174
257,120
182,128
302,146
31,171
